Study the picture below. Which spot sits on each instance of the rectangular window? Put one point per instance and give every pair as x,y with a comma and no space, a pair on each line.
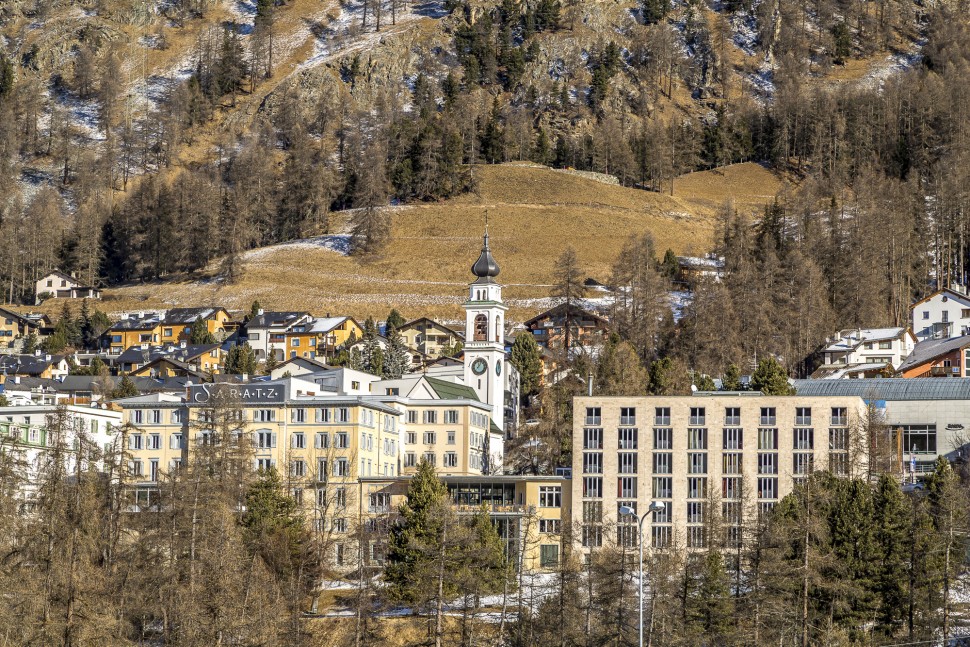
628,463
767,416
592,536
695,512
661,417
732,416
731,487
593,487
697,416
138,416
628,416
135,441
803,463
341,440
803,415
450,460
550,496
153,469
767,439
298,441
451,438
265,439
662,487
343,414
696,537
839,463
696,438
840,416
430,438
593,416
803,438
323,415
663,438
626,487
697,463
549,526
767,488
662,463
731,463
154,441
265,464
887,345
731,512
697,487
321,469
430,417
592,511
298,469
341,467
592,463
592,438
767,463
412,438
412,417
321,440
429,458
839,439
548,555
451,417
410,459
919,439
264,415
155,417
660,536
732,438
298,415
627,438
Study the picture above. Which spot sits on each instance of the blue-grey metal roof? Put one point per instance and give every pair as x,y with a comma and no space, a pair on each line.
893,388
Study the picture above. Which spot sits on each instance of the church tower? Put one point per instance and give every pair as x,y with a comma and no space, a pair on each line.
485,369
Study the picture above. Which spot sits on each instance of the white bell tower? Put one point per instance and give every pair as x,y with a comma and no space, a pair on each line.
485,369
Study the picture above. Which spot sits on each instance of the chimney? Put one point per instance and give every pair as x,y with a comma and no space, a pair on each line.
182,344
244,377
259,313
36,353
16,379
47,358
589,384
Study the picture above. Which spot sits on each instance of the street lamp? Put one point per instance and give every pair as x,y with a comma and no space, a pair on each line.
655,506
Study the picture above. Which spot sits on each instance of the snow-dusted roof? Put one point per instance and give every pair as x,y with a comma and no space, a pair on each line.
850,339
325,324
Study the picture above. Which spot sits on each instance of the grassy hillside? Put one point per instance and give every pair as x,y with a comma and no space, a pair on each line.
534,214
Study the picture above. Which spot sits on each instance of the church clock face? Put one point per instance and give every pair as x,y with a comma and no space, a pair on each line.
479,366
498,367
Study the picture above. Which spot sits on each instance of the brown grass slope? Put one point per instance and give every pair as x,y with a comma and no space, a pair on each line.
534,213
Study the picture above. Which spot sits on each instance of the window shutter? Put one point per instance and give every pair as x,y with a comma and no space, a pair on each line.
174,442
293,441
316,441
272,440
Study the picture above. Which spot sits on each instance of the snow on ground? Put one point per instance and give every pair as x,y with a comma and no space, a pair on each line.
339,243
679,300
894,65
84,113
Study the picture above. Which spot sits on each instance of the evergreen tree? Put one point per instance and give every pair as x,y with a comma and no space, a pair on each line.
526,357
704,383
125,389
669,266
394,319
272,361
770,378
731,381
199,333
711,605
890,533
253,311
419,527
240,360
398,357
30,343
669,377
619,371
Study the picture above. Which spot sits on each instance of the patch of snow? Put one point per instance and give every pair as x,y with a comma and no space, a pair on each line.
84,113
339,243
679,301
894,64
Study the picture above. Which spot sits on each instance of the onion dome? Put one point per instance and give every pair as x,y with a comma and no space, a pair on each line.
485,267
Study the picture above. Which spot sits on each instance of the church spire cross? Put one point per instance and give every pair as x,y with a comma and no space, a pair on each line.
485,267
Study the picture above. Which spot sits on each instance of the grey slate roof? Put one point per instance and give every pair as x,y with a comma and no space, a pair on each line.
138,355
894,388
269,319
182,316
931,348
27,364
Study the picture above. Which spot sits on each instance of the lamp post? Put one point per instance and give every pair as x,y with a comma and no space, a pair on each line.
655,506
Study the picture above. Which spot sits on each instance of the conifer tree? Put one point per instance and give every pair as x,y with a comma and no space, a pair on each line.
526,357
398,358
770,378
731,381
199,333
125,389
394,319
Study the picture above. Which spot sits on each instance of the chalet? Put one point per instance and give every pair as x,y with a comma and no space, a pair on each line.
941,315
133,330
691,269
938,358
429,337
865,352
167,367
58,285
285,334
177,323
14,327
36,365
333,332
584,328
204,358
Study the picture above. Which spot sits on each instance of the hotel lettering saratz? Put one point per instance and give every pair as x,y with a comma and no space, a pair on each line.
322,441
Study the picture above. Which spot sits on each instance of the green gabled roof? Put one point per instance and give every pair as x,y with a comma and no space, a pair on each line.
492,427
451,391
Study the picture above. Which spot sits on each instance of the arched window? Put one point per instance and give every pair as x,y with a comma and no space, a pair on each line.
481,328
498,328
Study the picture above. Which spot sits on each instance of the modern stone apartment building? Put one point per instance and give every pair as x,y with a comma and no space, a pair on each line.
711,459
